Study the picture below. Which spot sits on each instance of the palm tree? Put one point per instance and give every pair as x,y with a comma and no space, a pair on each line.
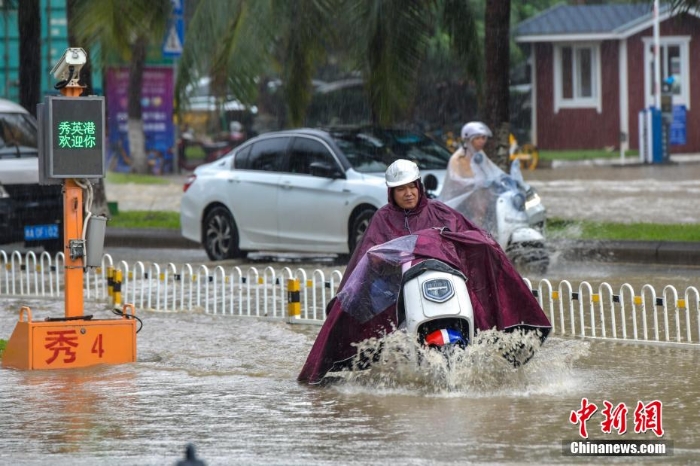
388,42
124,30
29,25
497,98
683,5
240,43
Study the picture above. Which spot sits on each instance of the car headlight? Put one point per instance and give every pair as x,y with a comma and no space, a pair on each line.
3,192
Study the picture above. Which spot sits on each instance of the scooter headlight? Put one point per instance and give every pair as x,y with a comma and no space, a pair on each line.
533,200
438,290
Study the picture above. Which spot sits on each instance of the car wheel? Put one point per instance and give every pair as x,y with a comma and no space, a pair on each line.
359,227
221,235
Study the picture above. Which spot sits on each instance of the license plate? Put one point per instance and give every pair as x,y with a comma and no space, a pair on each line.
41,232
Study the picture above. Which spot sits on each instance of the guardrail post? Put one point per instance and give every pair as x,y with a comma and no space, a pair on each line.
117,288
110,282
293,299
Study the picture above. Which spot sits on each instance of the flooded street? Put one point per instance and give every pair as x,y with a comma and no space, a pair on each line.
626,194
228,385
661,193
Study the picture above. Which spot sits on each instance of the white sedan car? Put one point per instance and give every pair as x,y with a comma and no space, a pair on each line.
302,191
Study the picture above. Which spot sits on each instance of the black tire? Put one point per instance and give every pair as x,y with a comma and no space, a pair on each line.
220,235
358,228
529,257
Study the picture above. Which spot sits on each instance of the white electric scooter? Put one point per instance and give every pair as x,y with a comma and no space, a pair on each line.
407,295
434,310
434,305
507,207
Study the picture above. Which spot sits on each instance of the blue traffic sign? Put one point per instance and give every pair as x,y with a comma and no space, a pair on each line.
174,38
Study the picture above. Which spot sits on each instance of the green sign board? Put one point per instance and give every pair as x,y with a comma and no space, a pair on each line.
75,135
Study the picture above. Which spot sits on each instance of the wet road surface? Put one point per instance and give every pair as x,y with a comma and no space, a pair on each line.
627,194
228,386
661,193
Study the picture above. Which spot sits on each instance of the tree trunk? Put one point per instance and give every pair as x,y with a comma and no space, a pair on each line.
29,25
137,147
497,51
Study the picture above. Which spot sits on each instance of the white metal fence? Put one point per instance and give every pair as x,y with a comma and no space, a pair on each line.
585,311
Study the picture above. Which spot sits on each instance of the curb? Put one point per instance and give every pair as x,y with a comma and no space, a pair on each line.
642,252
147,238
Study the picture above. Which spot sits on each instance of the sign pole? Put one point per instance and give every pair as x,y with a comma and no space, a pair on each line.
73,228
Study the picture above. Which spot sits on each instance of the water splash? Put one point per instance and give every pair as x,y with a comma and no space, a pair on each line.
398,363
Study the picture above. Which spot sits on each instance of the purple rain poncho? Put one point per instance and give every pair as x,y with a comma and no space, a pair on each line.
365,305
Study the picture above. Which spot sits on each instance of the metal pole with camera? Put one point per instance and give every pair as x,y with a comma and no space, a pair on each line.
67,71
72,152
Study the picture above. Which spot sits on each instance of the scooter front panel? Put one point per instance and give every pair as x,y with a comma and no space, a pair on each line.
439,302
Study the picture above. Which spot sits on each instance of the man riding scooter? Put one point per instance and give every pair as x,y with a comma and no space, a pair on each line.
408,210
460,176
366,303
502,204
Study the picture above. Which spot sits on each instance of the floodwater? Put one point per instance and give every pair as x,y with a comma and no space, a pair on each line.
228,386
628,193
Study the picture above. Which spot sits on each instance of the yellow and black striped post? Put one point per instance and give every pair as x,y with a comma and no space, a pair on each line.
110,282
293,299
117,291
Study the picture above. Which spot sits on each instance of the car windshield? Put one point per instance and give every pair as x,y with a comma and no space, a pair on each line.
371,150
18,135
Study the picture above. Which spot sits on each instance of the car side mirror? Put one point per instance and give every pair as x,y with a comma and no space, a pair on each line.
431,183
324,170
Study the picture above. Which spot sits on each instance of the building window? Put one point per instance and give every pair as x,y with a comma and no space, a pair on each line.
673,58
577,76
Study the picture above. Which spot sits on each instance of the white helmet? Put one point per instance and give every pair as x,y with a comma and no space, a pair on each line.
474,129
401,172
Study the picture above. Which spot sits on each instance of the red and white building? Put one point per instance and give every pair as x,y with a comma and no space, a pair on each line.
592,72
